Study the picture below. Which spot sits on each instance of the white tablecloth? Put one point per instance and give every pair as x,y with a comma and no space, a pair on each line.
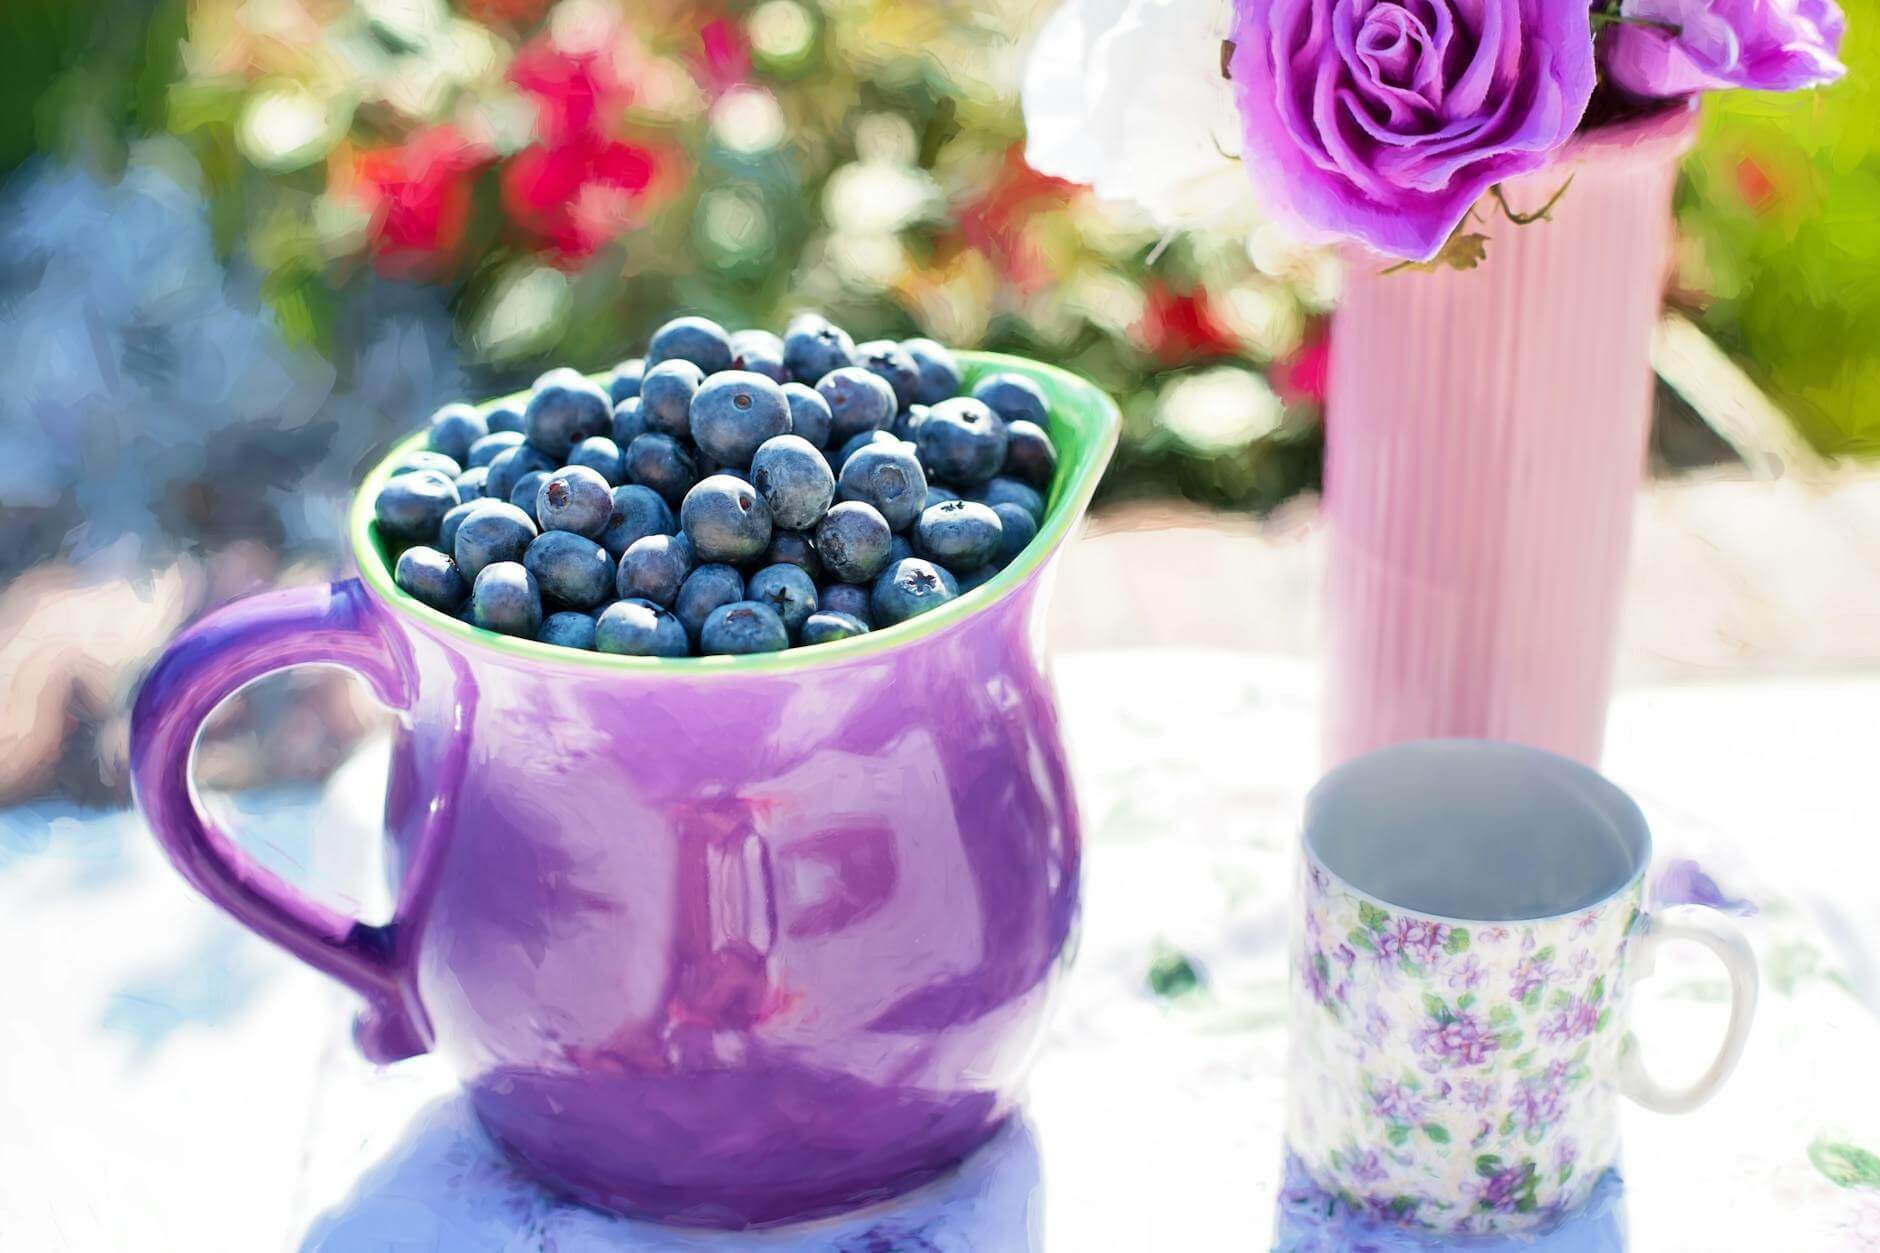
168,1082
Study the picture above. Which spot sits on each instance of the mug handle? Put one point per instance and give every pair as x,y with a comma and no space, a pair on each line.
230,648
1722,937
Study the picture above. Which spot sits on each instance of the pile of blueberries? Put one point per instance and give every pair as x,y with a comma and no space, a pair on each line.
725,494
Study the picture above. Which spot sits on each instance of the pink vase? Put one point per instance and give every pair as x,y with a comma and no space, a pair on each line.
1485,440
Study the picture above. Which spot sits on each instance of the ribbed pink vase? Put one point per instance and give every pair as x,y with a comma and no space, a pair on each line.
1485,441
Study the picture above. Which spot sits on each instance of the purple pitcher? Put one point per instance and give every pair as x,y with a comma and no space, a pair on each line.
720,941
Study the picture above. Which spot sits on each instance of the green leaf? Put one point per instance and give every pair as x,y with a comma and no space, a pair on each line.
1399,1132
1511,1039
1845,1165
1458,941
1172,974
1545,954
1599,1023
1372,917
1533,998
1465,1000
1433,1005
1525,1060
1562,999
1362,939
1488,1165
1507,1125
1437,1132
1597,992
1500,1015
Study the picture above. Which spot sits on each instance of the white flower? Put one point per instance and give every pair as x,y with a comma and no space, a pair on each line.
1127,96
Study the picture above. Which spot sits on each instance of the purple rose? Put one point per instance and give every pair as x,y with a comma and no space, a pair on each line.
1385,120
1701,45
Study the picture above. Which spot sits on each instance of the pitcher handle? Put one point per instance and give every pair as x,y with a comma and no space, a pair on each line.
1723,938
230,648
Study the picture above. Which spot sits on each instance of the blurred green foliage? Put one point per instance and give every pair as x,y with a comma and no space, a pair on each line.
1780,209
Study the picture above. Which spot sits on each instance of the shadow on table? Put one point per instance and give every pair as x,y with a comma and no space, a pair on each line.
445,1186
1310,1220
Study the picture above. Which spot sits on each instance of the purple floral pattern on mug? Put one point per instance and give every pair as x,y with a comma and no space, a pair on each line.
1455,1076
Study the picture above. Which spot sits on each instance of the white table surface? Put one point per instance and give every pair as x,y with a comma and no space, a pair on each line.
168,1082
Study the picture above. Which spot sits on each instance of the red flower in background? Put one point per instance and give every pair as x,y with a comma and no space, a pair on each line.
724,57
1181,326
578,187
994,222
418,195
576,90
581,195
1299,380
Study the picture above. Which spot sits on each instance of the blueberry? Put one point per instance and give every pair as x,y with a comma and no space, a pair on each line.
908,588
809,413
629,421
704,590
567,630
858,401
639,628
1004,491
726,520
666,397
1013,397
889,477
846,598
744,627
570,569
602,456
908,421
894,365
976,578
654,569
494,531
959,534
853,541
436,462
864,440
1019,529
487,449
794,481
760,352
575,498
638,511
509,467
735,411
624,382
786,589
565,409
454,428
813,346
431,577
741,473
937,494
523,495
700,341
470,483
900,549
1030,456
412,506
939,371
793,548
961,441
504,420
447,529
823,627
505,598
660,462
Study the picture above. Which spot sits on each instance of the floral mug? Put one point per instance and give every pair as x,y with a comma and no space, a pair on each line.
1472,927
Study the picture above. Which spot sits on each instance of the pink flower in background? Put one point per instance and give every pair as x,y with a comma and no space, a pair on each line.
1300,379
1703,45
418,196
580,195
724,57
1386,121
576,90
